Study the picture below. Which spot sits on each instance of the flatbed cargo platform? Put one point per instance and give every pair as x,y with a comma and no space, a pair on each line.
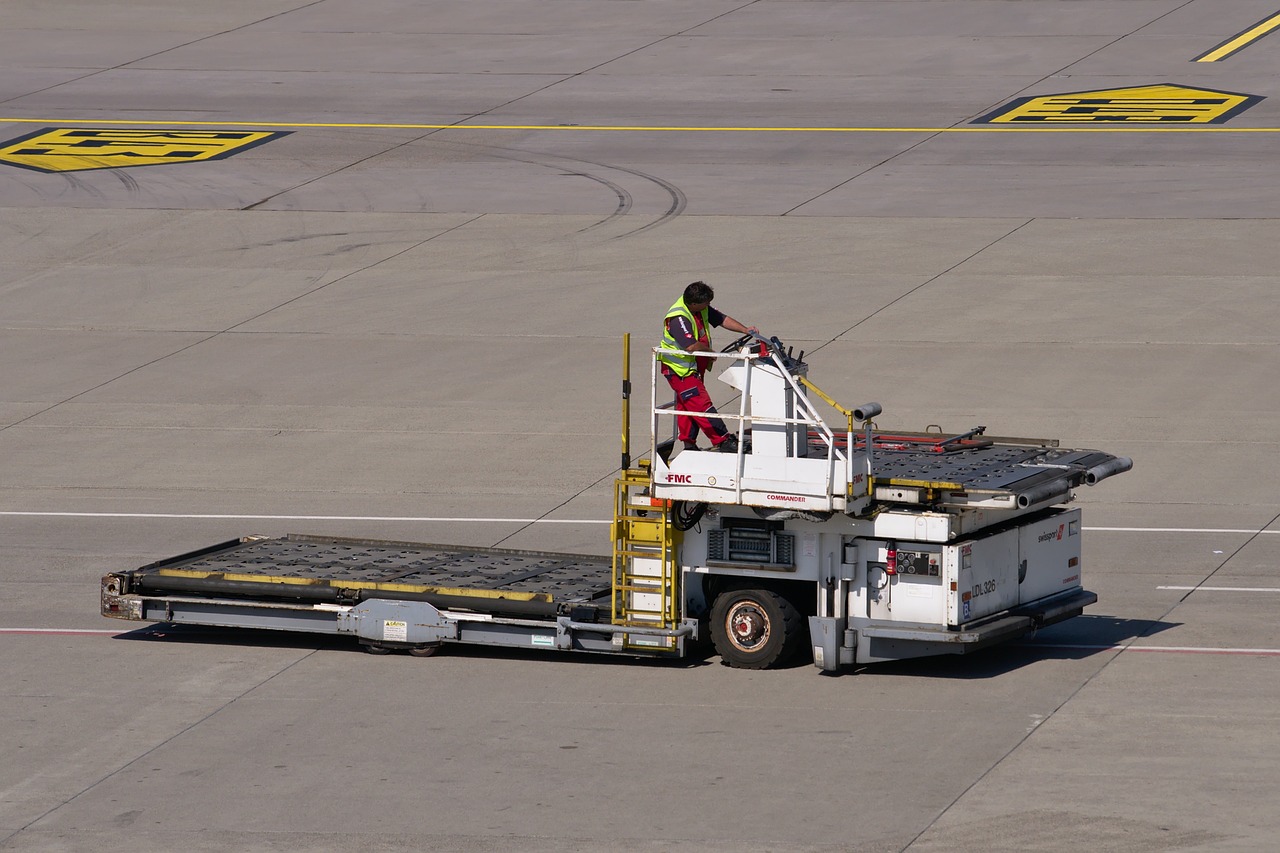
391,595
347,571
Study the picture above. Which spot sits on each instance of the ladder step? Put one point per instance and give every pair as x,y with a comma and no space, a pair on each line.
645,576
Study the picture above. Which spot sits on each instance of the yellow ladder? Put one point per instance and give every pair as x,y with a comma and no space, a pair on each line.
646,576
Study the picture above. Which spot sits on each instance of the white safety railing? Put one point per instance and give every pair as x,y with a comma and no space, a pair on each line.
805,413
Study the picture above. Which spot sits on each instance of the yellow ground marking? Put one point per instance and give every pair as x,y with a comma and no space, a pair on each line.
1131,128
1161,103
1240,41
74,149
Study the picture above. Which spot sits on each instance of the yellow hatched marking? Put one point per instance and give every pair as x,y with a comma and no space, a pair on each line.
76,149
1164,103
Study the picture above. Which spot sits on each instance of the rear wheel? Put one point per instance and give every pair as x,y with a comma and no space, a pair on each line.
755,628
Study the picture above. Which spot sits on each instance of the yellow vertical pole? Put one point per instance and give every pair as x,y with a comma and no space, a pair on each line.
626,401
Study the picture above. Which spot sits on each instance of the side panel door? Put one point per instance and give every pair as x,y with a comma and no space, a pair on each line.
985,574
1050,556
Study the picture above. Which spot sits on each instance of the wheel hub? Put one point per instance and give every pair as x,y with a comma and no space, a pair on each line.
748,626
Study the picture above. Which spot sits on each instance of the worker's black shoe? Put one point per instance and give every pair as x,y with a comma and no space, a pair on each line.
729,445
691,445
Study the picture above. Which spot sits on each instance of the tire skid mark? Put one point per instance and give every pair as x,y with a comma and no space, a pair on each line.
624,198
129,182
515,155
79,185
678,200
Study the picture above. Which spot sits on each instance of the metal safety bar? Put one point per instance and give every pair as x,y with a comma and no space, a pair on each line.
742,418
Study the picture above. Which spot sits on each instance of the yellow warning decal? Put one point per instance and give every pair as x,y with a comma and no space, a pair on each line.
1162,103
72,149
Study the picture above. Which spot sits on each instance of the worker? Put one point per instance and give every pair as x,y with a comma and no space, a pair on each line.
687,327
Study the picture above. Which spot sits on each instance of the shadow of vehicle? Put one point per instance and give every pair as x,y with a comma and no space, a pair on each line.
1076,639
259,638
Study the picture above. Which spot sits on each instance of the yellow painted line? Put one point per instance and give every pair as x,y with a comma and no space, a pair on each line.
387,586
918,484
1240,41
1131,128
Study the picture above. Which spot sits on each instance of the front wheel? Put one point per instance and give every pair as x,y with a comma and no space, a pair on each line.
755,628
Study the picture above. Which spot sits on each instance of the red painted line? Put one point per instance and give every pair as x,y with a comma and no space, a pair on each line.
68,632
1179,650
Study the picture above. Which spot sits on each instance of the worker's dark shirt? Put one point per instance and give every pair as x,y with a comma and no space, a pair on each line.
685,336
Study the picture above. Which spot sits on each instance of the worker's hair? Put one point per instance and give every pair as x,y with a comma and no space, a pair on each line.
698,293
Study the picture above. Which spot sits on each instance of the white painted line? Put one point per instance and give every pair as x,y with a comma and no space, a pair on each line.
1180,530
487,520
1183,650
304,517
1223,588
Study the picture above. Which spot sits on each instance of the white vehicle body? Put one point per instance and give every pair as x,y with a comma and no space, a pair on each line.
859,545
912,544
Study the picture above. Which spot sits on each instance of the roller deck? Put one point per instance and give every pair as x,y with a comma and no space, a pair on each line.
1016,471
346,571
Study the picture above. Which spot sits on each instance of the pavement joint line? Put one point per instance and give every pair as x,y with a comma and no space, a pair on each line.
163,741
1134,127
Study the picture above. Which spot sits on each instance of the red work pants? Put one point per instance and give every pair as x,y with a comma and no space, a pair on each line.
692,396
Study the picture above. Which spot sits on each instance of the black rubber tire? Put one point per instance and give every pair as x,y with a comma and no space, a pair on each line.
425,651
755,628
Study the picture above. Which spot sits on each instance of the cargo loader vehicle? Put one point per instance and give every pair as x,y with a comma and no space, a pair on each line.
844,541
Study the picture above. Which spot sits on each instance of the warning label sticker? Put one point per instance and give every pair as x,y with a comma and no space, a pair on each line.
72,149
1163,103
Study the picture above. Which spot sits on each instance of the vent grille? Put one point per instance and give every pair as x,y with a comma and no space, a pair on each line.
744,542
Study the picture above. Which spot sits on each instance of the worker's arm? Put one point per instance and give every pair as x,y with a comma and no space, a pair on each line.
734,326
727,322
683,334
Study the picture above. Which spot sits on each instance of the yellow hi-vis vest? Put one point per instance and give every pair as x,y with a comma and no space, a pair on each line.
683,363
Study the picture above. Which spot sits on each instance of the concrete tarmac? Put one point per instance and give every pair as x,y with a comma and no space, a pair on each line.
401,318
